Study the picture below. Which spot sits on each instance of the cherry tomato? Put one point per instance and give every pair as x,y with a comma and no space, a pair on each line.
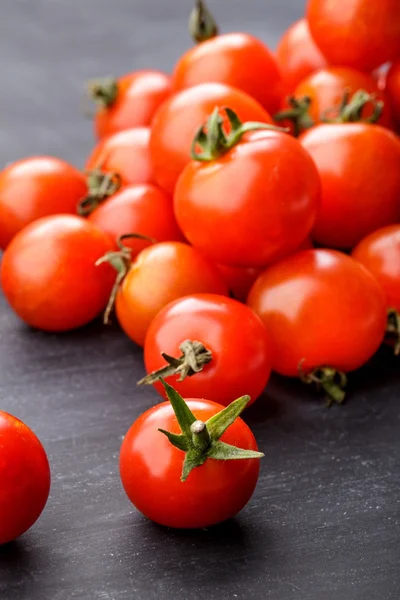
393,89
126,153
36,187
298,55
363,34
160,274
226,59
24,476
358,167
48,273
151,468
239,345
139,208
379,252
176,122
321,309
129,101
246,208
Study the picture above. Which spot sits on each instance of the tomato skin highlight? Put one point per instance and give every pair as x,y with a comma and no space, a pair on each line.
176,122
363,34
139,96
35,187
24,476
48,273
252,205
379,252
151,468
160,274
358,168
235,335
321,308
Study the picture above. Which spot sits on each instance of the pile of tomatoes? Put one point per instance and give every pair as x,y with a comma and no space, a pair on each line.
238,217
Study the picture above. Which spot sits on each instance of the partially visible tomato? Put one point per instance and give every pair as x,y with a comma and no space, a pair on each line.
126,153
129,101
393,89
363,34
298,55
48,273
24,477
176,122
36,187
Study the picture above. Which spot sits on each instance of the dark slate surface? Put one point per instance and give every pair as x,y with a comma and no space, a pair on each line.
324,522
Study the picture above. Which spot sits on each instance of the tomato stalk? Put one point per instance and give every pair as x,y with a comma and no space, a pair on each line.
202,25
195,356
201,440
103,91
393,329
297,113
101,185
332,381
350,110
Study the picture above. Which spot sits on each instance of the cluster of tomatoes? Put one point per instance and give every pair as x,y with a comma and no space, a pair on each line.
240,216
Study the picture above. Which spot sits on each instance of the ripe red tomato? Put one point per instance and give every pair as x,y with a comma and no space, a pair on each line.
358,167
321,309
138,208
129,101
298,55
126,153
363,34
151,468
176,122
393,89
36,187
159,274
226,59
234,335
48,273
24,476
245,208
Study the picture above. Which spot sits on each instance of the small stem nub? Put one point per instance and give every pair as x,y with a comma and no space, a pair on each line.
393,329
101,185
297,113
333,382
103,91
200,435
202,25
351,109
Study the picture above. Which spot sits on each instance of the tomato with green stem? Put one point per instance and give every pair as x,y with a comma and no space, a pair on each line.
25,478
190,464
325,315
215,346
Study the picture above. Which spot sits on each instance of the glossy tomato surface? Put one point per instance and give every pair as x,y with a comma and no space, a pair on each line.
379,252
179,118
230,330
252,205
321,308
358,166
151,467
162,273
48,273
24,477
139,95
36,187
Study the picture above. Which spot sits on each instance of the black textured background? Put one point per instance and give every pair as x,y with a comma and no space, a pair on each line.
324,522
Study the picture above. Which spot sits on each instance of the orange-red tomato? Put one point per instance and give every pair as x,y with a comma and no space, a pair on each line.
379,252
321,308
160,274
36,187
236,59
137,97
363,34
358,166
393,89
48,273
298,55
138,208
177,121
126,153
24,477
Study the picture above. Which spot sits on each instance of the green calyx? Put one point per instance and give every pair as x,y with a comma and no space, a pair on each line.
202,25
333,382
297,113
201,440
101,185
103,91
393,329
193,359
214,142
121,260
351,108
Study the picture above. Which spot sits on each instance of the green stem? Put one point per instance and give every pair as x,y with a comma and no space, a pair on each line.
202,25
101,185
297,113
393,329
350,109
103,91
200,435
332,381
